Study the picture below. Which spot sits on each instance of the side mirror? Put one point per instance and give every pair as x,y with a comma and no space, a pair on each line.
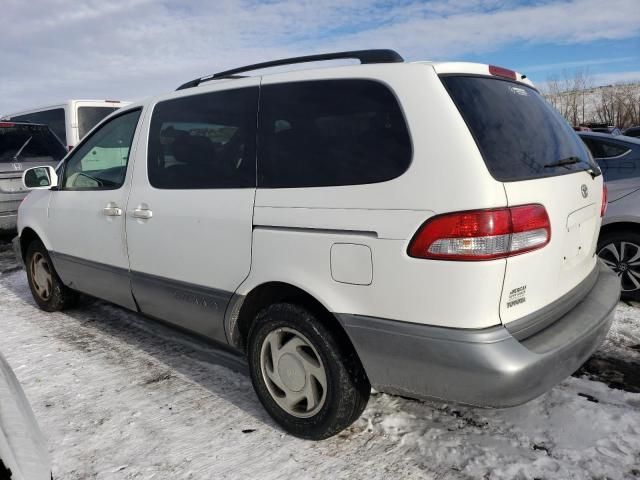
40,178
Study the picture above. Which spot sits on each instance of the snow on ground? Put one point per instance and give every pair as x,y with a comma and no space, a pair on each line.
121,397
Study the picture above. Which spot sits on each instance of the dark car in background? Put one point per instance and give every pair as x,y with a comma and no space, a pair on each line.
619,241
22,145
632,132
602,128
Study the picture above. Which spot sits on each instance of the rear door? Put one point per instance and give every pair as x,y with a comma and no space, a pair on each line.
189,216
529,147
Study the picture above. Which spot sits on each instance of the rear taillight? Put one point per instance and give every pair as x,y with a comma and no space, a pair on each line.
605,194
7,124
482,234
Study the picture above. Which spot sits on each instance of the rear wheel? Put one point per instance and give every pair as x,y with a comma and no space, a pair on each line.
46,287
620,251
313,386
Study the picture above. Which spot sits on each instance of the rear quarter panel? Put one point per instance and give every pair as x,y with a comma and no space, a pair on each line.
295,228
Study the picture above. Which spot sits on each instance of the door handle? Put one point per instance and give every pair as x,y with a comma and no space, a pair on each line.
112,210
142,212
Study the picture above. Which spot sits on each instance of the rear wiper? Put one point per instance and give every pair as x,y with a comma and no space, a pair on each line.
15,157
564,162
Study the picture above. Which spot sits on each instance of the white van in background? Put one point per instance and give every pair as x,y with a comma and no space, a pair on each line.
70,120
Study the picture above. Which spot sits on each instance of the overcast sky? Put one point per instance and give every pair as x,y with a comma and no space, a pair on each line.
128,49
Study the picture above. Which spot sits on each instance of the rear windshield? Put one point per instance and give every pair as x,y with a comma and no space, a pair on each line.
25,142
518,133
88,117
54,119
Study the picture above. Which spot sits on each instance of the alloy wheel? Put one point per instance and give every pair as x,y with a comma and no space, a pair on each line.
624,259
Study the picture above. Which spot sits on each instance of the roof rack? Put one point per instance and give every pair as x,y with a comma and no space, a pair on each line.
365,56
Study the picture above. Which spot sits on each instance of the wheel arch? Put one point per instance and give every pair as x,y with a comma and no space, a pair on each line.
243,309
28,235
616,227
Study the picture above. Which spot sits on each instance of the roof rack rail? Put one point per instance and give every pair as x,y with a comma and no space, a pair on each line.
365,56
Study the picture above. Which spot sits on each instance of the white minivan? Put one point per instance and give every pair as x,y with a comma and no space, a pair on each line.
428,229
70,120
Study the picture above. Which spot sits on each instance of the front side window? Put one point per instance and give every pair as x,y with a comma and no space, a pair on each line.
100,162
330,133
204,141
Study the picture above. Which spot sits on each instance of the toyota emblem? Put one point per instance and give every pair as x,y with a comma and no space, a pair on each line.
584,190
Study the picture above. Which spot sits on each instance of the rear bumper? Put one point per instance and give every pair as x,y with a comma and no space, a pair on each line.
487,367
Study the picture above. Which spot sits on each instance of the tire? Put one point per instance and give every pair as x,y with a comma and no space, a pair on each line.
292,354
620,250
47,289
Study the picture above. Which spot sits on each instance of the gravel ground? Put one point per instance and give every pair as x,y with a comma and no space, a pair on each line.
121,397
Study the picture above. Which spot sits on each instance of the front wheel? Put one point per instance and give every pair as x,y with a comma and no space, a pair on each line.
620,251
46,287
312,385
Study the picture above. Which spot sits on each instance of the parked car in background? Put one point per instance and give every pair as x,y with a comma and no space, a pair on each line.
378,225
603,128
70,120
632,132
619,241
22,145
23,449
581,128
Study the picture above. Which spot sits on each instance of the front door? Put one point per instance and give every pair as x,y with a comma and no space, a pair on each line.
189,216
87,212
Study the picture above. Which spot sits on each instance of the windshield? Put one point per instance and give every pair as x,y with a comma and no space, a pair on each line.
25,142
518,133
88,117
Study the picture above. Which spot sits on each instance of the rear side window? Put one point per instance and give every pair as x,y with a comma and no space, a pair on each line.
610,150
520,136
88,117
594,146
330,133
204,141
29,143
610,158
602,149
54,118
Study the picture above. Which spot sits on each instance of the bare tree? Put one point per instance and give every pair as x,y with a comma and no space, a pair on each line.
619,105
573,95
568,94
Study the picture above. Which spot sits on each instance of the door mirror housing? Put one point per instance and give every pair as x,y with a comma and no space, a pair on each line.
40,178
